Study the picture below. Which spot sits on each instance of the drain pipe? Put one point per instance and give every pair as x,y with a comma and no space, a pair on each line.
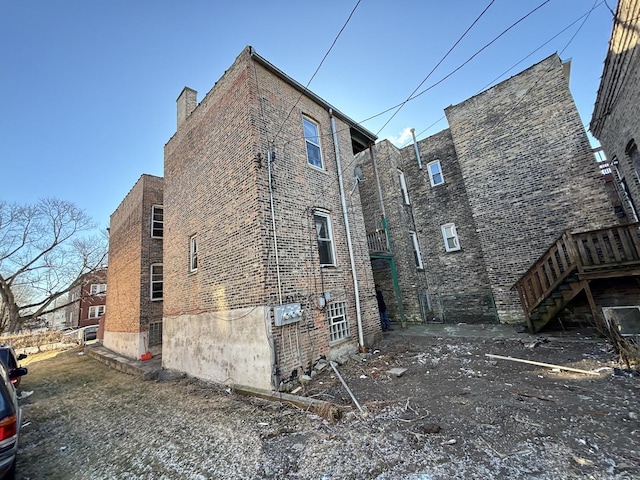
273,222
346,224
415,147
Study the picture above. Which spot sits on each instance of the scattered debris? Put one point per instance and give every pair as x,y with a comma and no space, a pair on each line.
453,441
25,394
296,390
582,461
397,371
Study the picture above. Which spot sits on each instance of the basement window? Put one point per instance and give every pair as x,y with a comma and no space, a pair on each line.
435,173
338,324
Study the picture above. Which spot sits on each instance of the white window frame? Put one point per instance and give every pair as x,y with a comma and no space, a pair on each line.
96,311
193,253
416,251
155,222
338,321
313,141
153,280
98,289
403,187
454,235
431,174
326,240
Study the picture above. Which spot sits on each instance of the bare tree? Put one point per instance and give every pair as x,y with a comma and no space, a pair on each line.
45,250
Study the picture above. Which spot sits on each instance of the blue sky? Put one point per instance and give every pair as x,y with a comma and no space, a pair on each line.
89,87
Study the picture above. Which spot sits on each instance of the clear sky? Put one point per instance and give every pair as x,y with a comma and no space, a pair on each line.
89,87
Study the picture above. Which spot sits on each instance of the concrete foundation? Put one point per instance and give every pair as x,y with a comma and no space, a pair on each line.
130,345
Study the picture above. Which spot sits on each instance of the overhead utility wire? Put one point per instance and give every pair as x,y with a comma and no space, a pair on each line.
317,69
522,60
460,66
438,64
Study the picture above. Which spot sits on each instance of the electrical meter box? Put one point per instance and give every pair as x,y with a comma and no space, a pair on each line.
289,313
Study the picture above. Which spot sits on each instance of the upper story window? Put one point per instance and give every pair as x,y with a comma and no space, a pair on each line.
157,221
403,187
98,289
156,281
435,173
325,239
193,253
450,236
312,141
416,251
96,311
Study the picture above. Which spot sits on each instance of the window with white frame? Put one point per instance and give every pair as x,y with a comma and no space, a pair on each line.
98,289
157,221
96,311
416,250
156,281
325,238
450,237
403,187
312,141
435,173
338,324
193,253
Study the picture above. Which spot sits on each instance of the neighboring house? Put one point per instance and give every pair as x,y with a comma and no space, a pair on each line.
87,300
133,325
470,209
615,121
266,268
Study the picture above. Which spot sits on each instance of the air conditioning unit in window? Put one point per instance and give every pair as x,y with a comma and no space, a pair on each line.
286,314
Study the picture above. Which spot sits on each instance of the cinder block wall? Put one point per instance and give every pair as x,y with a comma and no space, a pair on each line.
529,172
217,187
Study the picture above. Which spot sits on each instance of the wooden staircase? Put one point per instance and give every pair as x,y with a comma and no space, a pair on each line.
568,266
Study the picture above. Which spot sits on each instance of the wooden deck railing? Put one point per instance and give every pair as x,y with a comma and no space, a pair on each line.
377,241
601,250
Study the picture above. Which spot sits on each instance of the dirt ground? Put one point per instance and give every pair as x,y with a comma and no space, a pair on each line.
454,413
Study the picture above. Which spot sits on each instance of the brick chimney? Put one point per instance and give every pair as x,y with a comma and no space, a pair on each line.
187,102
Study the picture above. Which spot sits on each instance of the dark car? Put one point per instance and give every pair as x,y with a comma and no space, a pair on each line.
10,361
10,422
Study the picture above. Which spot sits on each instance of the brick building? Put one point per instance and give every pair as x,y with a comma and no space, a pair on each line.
266,267
615,121
87,300
471,208
133,324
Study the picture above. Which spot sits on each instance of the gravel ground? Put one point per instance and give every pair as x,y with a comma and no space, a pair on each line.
454,413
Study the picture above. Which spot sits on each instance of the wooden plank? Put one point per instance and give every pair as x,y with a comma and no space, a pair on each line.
614,245
595,258
627,246
563,257
633,233
320,407
541,364
554,262
607,258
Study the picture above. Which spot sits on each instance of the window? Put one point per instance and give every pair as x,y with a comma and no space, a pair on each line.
193,254
325,238
312,140
450,236
157,221
416,251
156,281
98,289
96,311
435,173
403,187
338,324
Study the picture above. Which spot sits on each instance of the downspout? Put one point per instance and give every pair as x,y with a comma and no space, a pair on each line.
343,200
415,147
273,222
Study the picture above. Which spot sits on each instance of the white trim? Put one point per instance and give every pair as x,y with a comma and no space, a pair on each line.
416,251
96,311
193,253
403,187
312,140
431,174
154,221
329,239
100,289
152,282
454,236
338,322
